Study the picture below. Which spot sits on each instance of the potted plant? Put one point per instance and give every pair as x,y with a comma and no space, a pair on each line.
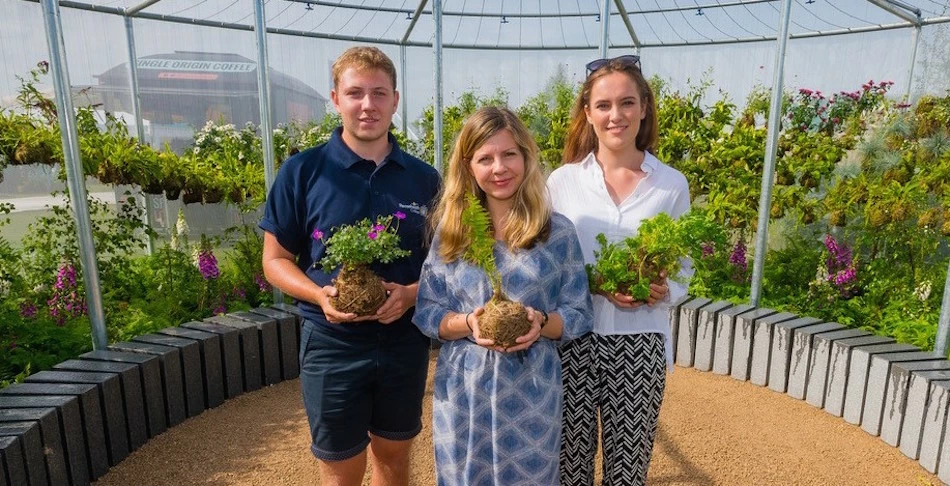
504,320
355,247
630,265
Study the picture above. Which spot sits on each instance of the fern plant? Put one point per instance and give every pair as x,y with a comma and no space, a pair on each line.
479,252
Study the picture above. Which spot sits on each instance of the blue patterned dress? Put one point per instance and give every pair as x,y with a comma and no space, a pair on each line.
497,416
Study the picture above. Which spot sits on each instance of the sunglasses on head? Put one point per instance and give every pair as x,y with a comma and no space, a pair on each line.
625,60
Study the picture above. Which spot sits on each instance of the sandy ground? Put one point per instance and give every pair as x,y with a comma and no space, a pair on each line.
713,430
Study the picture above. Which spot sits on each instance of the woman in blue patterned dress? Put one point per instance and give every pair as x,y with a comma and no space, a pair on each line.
497,412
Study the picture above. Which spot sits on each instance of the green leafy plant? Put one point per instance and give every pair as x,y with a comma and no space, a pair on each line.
363,243
355,247
629,266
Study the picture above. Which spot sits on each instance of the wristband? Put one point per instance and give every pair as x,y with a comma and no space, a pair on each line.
467,324
545,320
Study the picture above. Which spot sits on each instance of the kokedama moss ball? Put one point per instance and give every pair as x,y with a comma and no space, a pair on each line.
504,321
359,291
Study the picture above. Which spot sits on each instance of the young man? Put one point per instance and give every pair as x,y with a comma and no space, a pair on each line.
362,378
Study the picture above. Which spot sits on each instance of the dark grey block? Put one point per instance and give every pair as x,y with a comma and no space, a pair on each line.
91,411
917,411
686,336
231,361
173,381
894,402
821,363
30,441
132,396
780,362
742,342
12,466
838,367
725,334
190,354
932,450
70,429
250,349
110,401
269,344
298,314
706,334
48,419
212,371
287,332
763,330
858,377
150,376
801,364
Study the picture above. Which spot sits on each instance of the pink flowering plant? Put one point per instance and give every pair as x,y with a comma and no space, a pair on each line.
362,243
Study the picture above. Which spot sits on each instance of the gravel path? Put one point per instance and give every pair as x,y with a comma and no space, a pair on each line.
713,430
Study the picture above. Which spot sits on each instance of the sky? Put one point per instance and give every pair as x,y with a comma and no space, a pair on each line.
96,42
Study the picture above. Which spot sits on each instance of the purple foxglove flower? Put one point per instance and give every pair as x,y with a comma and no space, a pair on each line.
400,215
262,283
379,228
317,234
208,265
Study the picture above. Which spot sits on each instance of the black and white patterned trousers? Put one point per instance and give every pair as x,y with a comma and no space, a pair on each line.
622,376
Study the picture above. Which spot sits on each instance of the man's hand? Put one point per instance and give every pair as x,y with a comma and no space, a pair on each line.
400,299
334,316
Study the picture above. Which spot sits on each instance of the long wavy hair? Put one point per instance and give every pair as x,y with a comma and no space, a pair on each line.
581,138
528,221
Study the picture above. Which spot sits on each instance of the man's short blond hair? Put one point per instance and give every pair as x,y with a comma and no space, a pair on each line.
363,58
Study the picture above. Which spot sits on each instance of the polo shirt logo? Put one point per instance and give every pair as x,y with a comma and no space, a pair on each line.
415,208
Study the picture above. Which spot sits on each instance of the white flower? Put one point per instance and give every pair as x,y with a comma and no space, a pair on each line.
922,292
196,150
4,287
181,226
39,289
240,155
217,139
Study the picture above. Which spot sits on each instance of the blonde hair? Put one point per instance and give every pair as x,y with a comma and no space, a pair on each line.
581,138
363,58
529,218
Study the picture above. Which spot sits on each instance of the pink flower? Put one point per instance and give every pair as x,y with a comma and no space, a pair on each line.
208,265
379,228
372,235
317,234
400,215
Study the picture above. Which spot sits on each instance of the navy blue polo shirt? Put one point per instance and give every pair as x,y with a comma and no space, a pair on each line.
330,185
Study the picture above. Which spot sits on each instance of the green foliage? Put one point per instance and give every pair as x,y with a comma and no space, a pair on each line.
631,265
363,243
548,116
452,118
480,251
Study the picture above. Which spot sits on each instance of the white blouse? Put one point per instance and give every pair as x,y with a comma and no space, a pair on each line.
579,192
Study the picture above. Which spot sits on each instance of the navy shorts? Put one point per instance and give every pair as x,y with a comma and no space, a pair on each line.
359,384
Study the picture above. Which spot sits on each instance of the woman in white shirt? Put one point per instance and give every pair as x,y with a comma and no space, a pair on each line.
608,184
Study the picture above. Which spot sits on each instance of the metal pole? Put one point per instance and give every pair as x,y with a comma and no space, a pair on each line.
771,148
913,62
74,174
943,326
437,44
604,27
404,93
263,94
139,123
